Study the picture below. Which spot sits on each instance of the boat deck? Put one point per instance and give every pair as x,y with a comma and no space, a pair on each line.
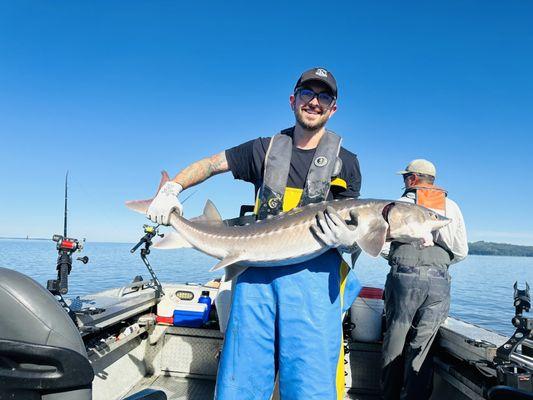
179,388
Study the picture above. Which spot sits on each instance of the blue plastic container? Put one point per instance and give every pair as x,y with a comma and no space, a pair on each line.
205,299
190,319
194,318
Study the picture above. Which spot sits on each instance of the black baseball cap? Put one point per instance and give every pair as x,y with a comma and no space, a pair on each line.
321,75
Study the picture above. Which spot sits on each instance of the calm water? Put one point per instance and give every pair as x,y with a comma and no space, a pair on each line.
482,286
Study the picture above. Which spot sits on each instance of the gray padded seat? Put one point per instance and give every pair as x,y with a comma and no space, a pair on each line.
31,317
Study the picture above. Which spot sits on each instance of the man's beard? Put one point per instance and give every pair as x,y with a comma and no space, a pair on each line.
310,126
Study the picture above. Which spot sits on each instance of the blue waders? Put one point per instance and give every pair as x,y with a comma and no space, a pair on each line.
287,320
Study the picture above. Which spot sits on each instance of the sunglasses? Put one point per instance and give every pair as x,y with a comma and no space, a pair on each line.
324,98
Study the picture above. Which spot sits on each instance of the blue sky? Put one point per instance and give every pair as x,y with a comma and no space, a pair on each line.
116,91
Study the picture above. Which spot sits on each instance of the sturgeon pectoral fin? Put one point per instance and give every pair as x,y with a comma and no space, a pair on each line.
231,259
373,242
232,272
371,232
172,240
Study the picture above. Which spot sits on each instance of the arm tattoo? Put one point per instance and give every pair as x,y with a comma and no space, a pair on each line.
201,170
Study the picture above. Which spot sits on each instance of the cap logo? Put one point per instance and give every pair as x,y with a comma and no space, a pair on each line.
321,72
321,161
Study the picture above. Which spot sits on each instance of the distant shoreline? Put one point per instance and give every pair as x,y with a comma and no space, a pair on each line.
480,248
483,248
23,238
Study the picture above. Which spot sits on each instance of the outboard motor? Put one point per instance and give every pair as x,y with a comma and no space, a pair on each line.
42,355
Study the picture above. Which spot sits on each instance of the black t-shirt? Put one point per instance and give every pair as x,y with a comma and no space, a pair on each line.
247,162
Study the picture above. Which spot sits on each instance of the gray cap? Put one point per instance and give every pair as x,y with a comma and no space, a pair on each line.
420,166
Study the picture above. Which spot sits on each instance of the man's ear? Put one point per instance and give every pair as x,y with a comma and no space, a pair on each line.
333,110
411,180
292,101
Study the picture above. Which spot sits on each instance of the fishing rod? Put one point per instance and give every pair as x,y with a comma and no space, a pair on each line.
66,211
66,247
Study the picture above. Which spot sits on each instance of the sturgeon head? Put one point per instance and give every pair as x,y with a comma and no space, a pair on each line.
411,223
378,221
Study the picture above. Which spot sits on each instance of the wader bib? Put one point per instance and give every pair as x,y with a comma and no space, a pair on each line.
288,320
417,301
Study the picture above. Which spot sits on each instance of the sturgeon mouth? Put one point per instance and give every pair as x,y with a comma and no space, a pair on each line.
442,221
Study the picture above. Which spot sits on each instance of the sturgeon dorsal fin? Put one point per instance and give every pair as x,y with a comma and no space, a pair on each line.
210,215
231,259
211,212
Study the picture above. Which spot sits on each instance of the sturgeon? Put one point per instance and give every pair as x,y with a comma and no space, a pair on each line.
288,239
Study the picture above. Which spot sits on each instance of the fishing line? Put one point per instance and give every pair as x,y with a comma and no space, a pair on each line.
189,196
106,213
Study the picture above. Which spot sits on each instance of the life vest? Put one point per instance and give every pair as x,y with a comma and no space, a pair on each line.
430,196
272,197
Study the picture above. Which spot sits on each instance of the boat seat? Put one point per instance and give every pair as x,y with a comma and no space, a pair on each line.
508,393
42,355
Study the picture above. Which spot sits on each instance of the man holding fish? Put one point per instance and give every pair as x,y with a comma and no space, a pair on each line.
286,319
292,284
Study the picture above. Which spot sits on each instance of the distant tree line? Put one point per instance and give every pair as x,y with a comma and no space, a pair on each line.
499,249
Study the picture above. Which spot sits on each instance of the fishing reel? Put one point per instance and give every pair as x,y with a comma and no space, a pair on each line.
68,244
149,233
65,247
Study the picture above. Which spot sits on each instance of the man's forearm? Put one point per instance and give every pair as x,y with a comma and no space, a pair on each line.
201,170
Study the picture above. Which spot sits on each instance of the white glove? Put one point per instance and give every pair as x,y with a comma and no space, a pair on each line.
334,232
164,203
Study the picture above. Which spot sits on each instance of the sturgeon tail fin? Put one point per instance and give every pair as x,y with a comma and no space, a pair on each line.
141,206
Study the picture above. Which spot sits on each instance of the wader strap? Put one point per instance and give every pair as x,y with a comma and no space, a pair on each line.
277,164
326,164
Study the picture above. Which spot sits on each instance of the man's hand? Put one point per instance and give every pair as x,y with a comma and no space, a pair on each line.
334,232
164,203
